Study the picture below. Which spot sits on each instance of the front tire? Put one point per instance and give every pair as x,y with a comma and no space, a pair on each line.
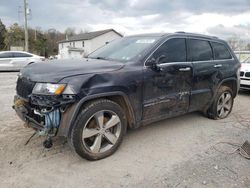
99,129
222,104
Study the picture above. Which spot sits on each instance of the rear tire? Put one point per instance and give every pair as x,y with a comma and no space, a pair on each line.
99,129
222,104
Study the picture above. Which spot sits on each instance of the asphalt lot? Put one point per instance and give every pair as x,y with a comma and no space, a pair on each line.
177,152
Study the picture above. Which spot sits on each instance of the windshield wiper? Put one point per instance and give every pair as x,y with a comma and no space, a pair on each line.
103,58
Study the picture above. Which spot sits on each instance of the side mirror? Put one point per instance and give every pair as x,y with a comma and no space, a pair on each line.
154,63
151,62
160,59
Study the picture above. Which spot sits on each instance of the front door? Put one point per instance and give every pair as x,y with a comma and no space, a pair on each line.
167,88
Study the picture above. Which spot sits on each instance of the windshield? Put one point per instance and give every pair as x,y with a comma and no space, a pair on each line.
247,60
124,49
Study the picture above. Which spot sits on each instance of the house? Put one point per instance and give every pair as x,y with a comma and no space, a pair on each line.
83,44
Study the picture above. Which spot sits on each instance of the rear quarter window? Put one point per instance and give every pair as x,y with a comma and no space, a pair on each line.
19,54
220,51
199,50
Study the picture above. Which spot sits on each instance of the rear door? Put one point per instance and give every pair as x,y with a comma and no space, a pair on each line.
21,59
224,62
166,91
204,73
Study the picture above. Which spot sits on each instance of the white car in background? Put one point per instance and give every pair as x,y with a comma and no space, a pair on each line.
16,60
245,74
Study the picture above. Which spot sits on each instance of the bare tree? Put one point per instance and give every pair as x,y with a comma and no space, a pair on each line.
236,43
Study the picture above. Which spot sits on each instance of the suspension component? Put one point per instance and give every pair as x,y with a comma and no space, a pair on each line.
48,143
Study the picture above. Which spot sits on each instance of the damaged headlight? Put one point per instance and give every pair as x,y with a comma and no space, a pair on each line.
52,89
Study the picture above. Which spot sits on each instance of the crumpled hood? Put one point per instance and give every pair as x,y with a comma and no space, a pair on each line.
54,71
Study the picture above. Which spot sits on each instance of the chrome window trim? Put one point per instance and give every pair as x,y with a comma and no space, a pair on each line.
175,62
219,60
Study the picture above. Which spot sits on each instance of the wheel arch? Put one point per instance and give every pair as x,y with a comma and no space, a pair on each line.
118,97
231,83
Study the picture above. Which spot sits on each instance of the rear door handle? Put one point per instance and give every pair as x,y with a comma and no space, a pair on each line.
185,69
217,65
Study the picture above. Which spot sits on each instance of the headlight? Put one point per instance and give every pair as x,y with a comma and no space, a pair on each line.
49,89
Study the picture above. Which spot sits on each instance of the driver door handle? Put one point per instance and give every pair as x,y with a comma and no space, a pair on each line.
217,65
185,69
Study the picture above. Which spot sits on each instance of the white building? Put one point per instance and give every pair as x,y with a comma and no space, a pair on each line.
81,45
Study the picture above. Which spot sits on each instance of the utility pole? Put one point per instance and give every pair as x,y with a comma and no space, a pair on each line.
26,27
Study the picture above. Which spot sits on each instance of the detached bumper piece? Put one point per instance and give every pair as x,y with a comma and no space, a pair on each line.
46,120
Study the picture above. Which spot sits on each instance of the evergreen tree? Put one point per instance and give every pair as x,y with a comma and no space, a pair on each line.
2,35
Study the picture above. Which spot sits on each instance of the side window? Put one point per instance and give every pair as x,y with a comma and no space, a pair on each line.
199,50
19,54
220,51
6,55
173,50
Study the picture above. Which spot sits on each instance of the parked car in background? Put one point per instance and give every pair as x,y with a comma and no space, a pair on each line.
130,82
245,74
16,60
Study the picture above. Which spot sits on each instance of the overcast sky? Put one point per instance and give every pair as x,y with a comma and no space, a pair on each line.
223,18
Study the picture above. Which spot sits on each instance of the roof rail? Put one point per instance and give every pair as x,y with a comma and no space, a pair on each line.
179,32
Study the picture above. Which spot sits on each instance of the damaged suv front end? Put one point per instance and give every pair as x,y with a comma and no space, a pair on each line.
48,95
41,105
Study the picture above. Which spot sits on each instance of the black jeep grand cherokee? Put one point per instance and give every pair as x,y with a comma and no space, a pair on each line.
130,82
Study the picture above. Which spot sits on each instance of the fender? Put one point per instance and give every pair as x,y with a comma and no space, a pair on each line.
70,115
226,80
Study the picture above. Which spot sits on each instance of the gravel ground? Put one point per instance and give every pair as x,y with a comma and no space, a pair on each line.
177,152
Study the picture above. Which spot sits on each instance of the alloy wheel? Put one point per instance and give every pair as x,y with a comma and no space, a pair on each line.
101,131
224,104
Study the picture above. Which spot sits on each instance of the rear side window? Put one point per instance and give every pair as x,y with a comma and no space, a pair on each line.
6,55
19,54
199,50
220,51
173,50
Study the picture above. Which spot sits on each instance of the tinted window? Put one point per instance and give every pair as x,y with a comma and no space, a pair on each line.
199,50
19,54
6,55
220,51
173,50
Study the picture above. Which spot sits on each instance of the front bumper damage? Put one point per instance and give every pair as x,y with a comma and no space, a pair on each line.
45,114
